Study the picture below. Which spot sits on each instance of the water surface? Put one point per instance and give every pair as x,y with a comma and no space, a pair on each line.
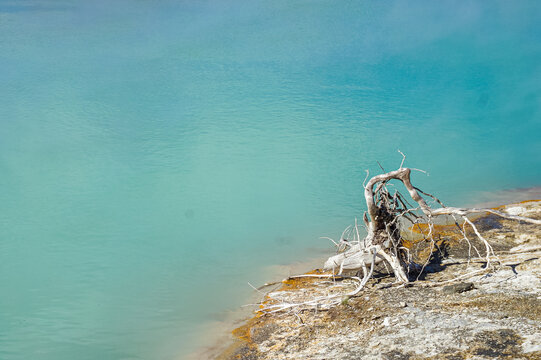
157,156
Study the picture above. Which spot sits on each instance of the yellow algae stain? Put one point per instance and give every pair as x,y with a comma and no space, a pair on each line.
244,332
502,207
436,230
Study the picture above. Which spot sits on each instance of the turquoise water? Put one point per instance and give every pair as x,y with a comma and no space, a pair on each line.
155,156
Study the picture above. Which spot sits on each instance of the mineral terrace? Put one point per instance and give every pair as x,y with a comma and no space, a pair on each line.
494,314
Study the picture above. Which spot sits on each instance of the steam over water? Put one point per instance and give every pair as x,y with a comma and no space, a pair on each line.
155,156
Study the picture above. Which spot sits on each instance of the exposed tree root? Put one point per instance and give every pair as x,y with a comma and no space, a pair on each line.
387,217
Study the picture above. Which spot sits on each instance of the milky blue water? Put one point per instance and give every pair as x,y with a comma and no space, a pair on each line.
155,156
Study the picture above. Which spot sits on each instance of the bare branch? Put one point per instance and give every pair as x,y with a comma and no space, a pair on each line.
403,158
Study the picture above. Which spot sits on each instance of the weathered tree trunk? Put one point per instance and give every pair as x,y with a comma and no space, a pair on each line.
386,211
386,214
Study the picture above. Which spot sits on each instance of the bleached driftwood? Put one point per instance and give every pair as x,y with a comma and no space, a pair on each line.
385,212
384,219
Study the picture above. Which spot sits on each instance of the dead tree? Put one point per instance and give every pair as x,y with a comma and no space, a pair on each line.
386,217
384,222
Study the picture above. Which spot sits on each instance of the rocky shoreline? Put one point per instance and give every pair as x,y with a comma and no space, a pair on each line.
493,314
